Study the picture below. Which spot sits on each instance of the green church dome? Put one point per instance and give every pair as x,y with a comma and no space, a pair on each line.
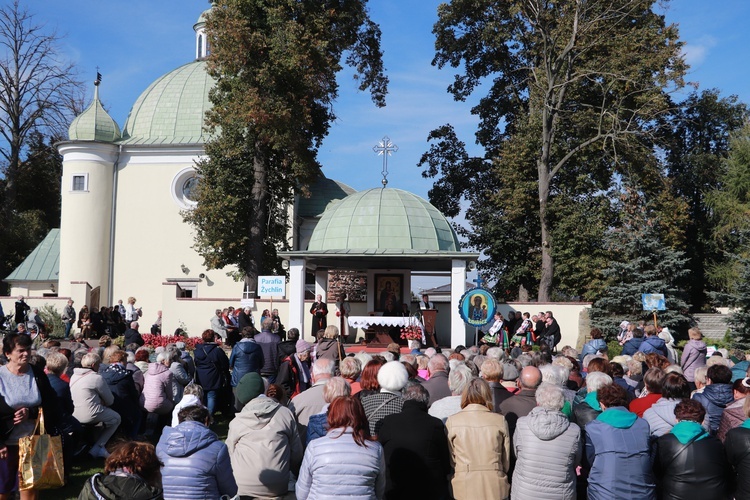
172,109
94,124
383,219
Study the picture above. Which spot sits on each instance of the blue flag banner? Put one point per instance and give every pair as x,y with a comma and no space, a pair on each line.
653,302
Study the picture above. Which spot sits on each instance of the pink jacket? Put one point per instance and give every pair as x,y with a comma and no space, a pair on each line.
157,390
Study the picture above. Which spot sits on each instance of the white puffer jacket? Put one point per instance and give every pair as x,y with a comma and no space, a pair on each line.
548,450
336,466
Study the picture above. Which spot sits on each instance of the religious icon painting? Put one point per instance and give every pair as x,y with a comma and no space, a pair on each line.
389,291
477,307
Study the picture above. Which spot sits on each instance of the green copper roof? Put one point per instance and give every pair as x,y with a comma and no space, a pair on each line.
171,110
201,18
42,264
322,192
383,219
94,124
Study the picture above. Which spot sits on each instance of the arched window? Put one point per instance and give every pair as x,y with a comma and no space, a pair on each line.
200,46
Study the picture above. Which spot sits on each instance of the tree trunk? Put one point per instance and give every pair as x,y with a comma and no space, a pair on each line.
548,265
258,217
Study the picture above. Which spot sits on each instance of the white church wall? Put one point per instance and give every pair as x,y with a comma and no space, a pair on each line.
152,243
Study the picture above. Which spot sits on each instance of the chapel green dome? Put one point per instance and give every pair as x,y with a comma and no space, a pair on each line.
172,109
383,219
94,124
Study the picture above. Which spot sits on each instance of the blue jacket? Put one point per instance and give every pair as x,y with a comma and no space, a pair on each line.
211,366
593,346
653,344
632,346
196,463
619,451
714,398
247,356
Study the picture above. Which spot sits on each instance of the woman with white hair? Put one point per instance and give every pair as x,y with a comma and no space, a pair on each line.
587,410
91,399
458,379
318,425
158,396
392,377
548,449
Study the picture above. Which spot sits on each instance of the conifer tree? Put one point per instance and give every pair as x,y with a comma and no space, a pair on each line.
642,263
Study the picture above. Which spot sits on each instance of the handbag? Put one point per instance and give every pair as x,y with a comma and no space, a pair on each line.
40,459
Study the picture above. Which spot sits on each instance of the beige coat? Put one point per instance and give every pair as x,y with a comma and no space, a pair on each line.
480,451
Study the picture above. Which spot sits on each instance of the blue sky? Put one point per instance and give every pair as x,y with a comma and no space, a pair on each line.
135,42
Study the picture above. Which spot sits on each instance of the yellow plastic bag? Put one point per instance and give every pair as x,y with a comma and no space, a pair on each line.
40,460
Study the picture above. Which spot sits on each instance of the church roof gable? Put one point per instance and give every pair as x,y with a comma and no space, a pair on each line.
43,263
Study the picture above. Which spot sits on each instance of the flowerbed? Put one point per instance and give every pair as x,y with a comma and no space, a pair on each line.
154,341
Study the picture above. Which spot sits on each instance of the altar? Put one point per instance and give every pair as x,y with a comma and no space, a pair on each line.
379,329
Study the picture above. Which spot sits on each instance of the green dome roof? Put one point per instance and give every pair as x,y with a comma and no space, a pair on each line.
201,18
383,219
172,109
94,124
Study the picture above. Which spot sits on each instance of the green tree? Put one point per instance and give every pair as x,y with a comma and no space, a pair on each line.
641,263
731,206
275,63
739,300
577,85
697,145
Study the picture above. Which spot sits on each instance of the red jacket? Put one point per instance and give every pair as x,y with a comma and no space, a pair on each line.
640,405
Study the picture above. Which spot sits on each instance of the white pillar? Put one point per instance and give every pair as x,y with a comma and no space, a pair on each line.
297,295
321,283
458,287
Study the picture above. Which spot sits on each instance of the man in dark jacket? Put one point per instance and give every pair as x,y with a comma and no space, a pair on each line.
133,336
437,384
525,400
415,446
212,371
716,395
552,333
492,372
120,382
633,345
269,343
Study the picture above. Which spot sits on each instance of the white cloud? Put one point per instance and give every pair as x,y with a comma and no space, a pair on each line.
697,52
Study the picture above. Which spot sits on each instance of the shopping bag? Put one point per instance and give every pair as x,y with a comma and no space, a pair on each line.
40,460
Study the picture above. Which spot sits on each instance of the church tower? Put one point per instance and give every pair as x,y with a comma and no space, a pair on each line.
89,160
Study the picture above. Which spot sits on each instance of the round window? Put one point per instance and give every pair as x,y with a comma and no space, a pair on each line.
185,185
190,189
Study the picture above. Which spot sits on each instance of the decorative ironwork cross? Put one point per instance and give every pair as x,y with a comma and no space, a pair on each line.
478,281
385,148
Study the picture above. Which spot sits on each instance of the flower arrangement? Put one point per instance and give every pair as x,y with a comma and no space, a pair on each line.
411,332
154,341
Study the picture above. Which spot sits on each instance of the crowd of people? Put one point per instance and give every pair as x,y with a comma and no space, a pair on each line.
307,421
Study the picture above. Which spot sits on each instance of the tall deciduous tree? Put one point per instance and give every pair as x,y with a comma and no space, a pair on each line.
697,145
38,89
580,81
275,62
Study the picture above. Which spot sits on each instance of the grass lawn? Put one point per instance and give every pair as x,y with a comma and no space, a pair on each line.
85,467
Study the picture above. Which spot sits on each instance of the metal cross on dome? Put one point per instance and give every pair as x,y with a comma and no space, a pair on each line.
385,147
